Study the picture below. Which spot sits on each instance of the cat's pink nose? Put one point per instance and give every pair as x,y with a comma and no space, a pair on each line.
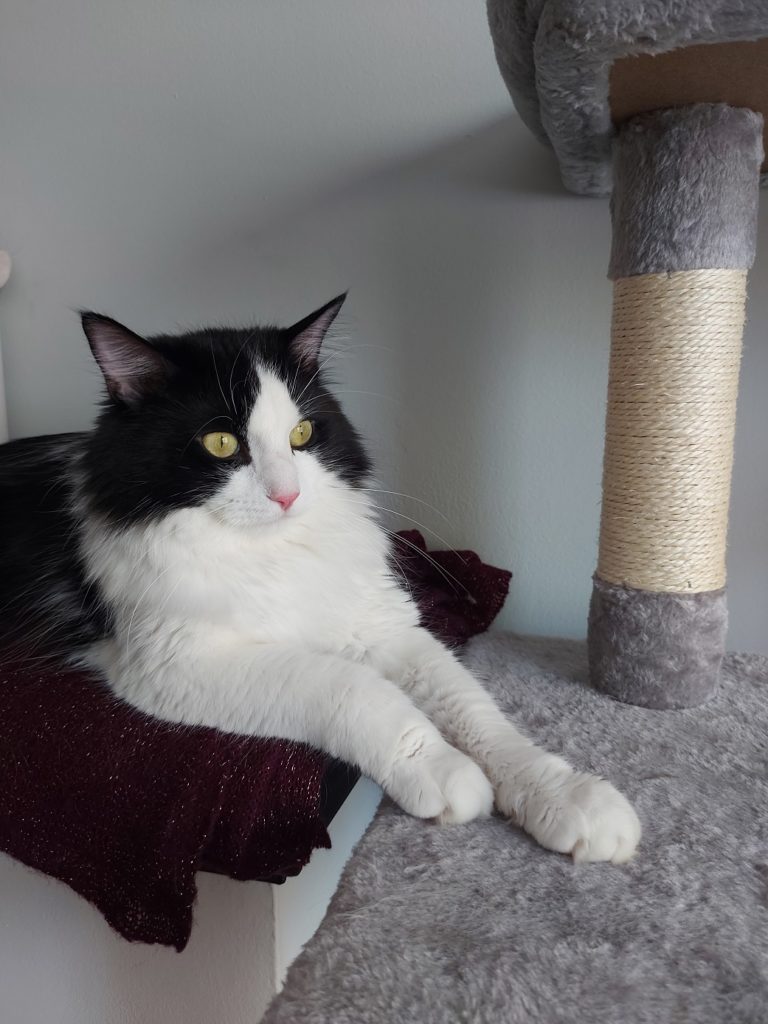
285,500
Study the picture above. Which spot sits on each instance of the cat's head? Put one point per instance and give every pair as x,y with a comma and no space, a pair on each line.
238,422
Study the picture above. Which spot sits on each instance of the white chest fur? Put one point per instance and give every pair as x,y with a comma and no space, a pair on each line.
322,582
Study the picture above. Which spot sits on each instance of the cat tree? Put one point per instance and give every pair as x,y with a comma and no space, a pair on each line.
663,106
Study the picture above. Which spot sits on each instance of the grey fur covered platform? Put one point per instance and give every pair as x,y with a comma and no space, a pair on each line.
476,923
555,57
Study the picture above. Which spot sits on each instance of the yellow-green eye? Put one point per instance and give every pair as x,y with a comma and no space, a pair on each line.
221,444
300,434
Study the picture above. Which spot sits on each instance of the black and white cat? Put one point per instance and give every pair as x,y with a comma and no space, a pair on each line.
212,548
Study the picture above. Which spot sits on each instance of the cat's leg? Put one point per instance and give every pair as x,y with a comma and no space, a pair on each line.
565,810
341,707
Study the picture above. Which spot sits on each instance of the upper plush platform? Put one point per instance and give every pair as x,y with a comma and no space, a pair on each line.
556,58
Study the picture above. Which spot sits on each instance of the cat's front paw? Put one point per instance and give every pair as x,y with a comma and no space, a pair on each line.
440,782
576,813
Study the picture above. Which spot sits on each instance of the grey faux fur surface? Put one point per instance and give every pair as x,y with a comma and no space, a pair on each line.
477,924
656,650
555,57
686,190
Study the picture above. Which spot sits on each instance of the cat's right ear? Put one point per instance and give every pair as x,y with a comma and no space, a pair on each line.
132,368
308,334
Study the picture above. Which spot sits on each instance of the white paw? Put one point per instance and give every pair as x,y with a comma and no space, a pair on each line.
572,812
440,782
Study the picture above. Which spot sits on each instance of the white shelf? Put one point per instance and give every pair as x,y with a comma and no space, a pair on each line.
300,904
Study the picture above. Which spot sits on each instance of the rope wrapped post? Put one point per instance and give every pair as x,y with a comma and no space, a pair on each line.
684,212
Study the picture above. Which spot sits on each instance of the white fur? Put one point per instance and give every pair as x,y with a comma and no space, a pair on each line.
274,469
243,617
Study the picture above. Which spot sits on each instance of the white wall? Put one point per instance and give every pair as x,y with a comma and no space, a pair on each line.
180,162
61,963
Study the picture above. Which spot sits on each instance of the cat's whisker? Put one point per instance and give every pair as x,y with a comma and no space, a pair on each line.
320,368
354,347
452,580
412,497
416,522
138,602
447,576
247,341
372,394
198,432
402,576
218,379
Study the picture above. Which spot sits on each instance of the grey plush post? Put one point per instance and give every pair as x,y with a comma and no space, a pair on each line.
685,199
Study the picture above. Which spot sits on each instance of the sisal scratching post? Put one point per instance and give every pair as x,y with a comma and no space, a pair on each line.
663,106
684,213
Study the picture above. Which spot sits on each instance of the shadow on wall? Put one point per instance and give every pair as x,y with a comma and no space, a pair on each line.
500,157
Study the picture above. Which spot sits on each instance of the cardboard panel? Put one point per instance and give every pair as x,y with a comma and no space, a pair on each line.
735,73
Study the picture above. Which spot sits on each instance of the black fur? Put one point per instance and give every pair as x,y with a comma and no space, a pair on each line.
142,459
46,605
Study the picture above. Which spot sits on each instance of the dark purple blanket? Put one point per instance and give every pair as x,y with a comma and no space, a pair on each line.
125,809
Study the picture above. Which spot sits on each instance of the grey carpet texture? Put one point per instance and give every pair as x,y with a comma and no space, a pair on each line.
555,57
477,924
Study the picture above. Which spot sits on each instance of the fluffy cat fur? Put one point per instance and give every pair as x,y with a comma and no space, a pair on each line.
253,593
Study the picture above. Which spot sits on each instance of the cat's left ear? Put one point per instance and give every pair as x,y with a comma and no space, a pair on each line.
307,335
132,368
